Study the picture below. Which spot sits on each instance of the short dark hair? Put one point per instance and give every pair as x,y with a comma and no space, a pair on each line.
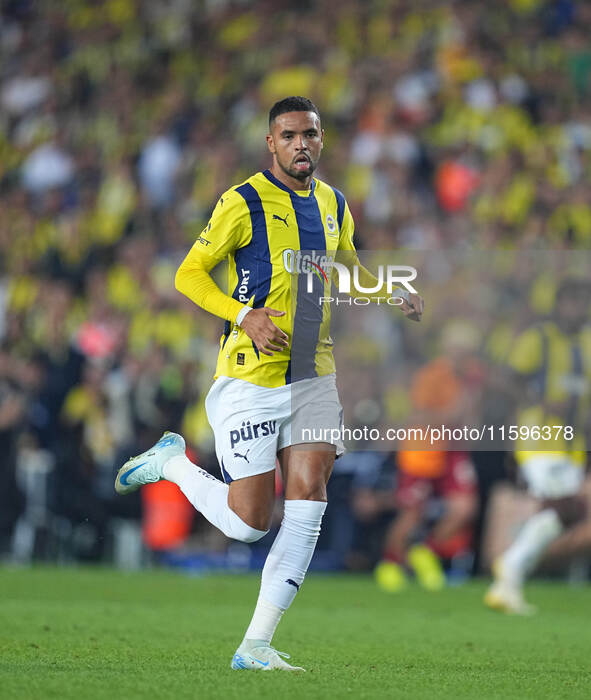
292,104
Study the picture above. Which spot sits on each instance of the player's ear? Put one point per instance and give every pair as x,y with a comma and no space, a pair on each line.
270,143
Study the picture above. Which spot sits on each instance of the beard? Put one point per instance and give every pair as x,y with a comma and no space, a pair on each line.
296,173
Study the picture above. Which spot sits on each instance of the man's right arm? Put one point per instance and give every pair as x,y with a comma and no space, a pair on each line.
194,281
227,230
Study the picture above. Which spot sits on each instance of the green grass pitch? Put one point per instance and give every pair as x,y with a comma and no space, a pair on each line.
97,633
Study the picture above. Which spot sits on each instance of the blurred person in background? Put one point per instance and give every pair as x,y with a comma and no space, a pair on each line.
371,503
158,167
444,392
550,365
12,414
436,503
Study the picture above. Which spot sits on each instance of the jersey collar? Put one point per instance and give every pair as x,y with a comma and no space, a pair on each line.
269,175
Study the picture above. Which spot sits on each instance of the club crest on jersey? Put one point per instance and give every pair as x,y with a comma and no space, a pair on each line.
331,225
250,431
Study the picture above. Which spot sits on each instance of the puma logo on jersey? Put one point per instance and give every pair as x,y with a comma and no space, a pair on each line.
276,216
237,454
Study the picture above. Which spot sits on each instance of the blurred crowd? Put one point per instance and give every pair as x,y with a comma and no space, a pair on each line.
449,126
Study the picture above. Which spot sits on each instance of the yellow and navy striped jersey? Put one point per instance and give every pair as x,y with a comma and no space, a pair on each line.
266,232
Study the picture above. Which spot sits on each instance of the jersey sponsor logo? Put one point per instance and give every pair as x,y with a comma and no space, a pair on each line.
319,272
276,216
295,262
249,431
331,225
201,238
243,288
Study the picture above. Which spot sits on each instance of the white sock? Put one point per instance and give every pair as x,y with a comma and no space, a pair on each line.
531,542
286,565
210,497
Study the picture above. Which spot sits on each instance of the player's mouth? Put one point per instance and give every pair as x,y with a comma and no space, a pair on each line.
302,163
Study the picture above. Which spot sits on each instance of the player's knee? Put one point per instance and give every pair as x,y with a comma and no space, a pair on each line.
245,529
570,510
257,518
247,533
252,534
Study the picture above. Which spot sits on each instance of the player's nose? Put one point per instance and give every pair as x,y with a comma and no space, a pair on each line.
300,143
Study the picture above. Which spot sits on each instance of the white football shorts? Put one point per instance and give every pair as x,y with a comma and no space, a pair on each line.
552,475
252,423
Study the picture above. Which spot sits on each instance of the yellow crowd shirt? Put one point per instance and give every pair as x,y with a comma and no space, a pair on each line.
270,234
559,368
